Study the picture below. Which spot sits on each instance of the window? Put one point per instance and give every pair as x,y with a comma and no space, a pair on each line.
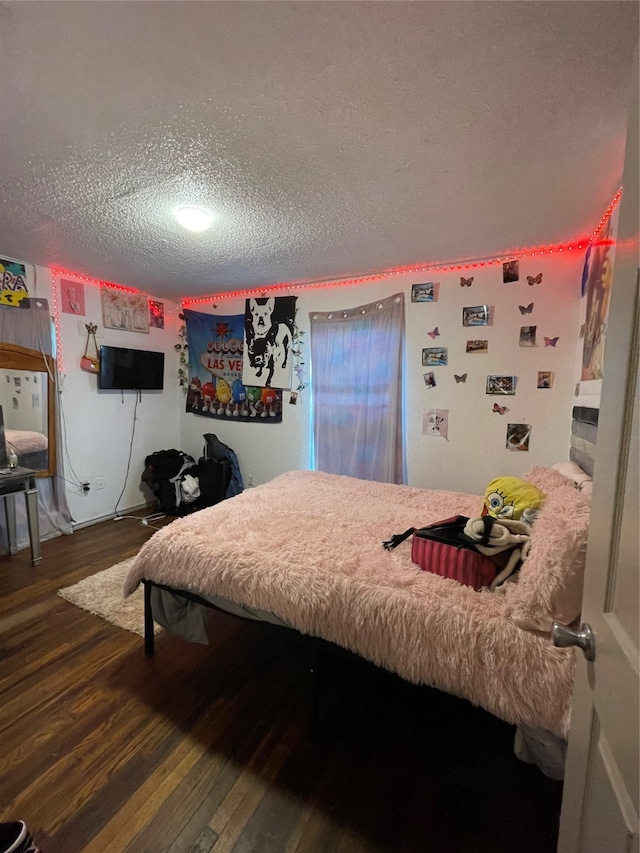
356,388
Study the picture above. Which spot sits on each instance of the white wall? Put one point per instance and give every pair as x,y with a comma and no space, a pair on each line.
475,451
99,423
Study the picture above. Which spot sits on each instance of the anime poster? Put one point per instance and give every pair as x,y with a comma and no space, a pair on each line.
268,336
72,297
216,388
13,283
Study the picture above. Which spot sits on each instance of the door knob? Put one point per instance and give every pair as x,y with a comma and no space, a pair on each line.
584,638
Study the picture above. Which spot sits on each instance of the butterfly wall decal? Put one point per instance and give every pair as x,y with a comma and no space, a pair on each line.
499,409
462,378
526,309
434,333
551,342
466,282
534,279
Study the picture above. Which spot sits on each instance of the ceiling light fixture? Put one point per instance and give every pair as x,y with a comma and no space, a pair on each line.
193,218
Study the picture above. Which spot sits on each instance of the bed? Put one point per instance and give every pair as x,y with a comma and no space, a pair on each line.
30,447
305,551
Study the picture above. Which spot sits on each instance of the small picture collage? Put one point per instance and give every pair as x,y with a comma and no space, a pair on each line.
435,421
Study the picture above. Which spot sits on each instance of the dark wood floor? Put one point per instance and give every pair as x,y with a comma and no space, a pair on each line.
207,748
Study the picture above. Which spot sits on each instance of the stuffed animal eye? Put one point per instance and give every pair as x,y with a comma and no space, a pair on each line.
494,501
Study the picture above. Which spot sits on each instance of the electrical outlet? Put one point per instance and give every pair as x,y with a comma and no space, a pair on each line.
99,482
250,480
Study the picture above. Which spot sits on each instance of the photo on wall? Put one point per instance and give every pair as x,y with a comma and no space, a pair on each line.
478,346
215,387
436,422
475,315
501,384
434,356
426,292
528,336
510,271
518,436
268,338
545,379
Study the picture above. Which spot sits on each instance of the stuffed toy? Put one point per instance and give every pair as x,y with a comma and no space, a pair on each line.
512,498
505,541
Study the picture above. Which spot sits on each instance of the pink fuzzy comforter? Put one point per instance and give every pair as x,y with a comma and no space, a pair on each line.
308,547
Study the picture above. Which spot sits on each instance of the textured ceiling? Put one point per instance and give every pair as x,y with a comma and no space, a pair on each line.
330,139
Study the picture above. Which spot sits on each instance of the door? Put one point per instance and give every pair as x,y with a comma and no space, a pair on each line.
601,794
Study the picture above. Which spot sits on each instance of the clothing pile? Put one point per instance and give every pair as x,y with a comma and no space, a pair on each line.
182,485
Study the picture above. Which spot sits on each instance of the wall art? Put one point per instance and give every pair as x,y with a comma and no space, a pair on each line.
426,292
13,283
156,314
478,346
510,271
528,336
436,422
72,297
545,379
501,384
475,315
215,387
435,356
128,312
268,338
518,436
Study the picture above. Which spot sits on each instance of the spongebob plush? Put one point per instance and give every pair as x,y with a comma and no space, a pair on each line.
510,497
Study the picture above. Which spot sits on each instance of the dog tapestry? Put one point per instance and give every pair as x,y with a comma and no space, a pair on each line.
215,387
268,329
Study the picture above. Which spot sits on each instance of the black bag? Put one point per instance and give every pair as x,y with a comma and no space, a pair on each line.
163,472
214,481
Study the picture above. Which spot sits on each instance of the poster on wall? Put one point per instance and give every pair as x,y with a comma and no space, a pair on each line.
268,336
435,422
597,278
215,388
156,314
13,283
72,297
123,310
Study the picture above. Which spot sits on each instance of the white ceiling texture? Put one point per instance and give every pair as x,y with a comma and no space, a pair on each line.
331,139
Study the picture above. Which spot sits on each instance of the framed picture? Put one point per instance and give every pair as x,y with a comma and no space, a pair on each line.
501,384
426,292
528,336
429,379
518,436
434,356
545,379
478,346
475,315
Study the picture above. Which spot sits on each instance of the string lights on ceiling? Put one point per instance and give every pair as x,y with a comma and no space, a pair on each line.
473,263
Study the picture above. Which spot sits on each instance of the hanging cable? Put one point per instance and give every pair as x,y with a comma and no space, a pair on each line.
133,432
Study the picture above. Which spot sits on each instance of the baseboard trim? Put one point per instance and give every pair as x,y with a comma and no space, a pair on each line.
78,525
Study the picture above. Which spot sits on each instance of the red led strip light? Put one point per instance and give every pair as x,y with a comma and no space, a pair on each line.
476,263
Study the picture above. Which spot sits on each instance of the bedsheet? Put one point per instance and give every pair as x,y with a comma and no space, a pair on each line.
307,547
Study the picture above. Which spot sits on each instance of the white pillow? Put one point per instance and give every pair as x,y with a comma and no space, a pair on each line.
572,471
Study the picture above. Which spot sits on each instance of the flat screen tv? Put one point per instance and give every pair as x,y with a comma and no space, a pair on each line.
122,369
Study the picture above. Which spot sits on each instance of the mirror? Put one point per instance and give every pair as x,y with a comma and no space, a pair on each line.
28,400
